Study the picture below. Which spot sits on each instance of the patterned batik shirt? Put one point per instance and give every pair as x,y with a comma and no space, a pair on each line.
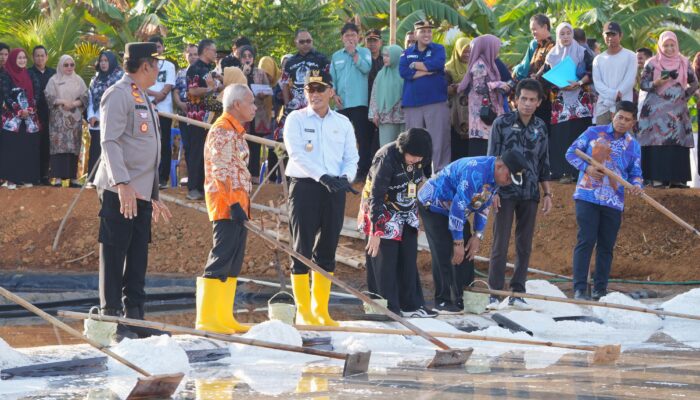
510,133
622,156
463,187
226,176
387,205
196,78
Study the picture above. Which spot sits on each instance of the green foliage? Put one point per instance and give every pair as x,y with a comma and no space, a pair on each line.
269,24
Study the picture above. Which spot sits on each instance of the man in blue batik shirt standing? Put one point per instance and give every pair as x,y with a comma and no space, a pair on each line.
600,200
464,187
424,99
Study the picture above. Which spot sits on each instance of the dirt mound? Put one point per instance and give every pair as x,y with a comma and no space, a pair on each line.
650,246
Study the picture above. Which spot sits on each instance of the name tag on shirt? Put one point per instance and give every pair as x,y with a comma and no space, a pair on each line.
412,56
411,191
338,62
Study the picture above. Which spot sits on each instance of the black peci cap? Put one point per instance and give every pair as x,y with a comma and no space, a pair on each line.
138,50
516,163
318,76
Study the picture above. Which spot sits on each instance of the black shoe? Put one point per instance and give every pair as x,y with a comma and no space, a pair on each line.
421,312
163,185
518,303
194,194
581,295
494,302
141,332
597,294
124,332
446,308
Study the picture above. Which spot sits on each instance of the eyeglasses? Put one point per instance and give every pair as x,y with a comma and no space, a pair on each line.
305,41
316,89
67,65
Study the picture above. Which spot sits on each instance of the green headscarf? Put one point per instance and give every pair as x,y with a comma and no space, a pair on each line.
455,67
389,85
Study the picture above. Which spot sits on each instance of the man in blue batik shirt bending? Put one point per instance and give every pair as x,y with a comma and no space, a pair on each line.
600,200
463,187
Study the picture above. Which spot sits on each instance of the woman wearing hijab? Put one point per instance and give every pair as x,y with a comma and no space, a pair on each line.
572,106
389,217
665,131
272,108
19,140
66,95
108,73
484,87
455,69
385,102
257,127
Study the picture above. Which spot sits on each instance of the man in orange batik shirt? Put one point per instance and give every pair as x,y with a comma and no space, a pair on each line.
227,186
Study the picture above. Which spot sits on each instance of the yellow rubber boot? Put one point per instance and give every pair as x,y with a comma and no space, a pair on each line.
210,295
302,298
321,295
225,309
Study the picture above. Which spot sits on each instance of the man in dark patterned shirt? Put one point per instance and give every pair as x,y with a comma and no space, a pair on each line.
525,133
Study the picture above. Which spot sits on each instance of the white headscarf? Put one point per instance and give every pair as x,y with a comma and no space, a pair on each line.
68,87
559,52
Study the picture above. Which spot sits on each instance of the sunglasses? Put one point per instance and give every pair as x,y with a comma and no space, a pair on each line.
68,65
316,89
305,41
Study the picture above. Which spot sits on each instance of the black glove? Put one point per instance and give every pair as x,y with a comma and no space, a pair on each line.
332,184
345,185
237,213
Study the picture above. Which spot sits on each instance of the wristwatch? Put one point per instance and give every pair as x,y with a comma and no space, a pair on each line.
479,235
412,65
548,194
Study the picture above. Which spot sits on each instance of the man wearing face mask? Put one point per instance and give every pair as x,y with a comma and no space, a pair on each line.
523,132
322,163
127,185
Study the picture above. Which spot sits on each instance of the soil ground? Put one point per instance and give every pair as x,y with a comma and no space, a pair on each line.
650,246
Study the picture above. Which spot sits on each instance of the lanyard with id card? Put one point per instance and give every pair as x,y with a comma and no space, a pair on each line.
411,191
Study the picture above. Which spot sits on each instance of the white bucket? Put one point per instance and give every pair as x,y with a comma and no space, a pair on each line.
475,303
369,309
99,331
284,312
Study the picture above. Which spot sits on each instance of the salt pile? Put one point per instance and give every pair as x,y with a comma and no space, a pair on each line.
10,358
156,354
682,329
551,308
267,371
625,318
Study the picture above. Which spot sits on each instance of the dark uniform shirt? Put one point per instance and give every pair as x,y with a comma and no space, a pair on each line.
196,78
509,133
294,73
40,80
377,65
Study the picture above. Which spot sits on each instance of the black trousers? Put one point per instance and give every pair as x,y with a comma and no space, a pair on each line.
44,149
165,149
195,158
95,149
315,220
525,213
364,133
228,248
123,253
395,273
449,280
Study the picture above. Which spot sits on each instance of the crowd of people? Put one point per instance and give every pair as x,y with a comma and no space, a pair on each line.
476,134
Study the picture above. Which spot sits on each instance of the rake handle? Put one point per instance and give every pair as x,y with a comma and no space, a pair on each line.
201,124
196,332
465,336
425,335
583,302
72,331
585,157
